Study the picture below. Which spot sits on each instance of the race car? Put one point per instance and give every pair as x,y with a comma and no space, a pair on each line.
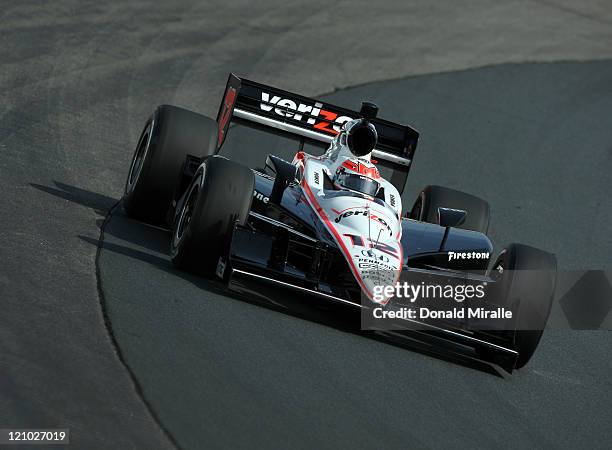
330,224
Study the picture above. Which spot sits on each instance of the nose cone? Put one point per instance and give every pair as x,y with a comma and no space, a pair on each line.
368,236
377,270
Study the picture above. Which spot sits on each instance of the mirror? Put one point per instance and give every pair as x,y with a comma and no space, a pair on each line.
448,217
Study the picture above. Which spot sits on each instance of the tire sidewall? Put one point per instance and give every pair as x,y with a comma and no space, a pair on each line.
208,234
531,301
173,134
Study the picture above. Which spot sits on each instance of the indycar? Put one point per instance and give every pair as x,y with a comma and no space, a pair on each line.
331,225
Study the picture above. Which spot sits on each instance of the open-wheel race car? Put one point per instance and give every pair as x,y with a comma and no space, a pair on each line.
331,224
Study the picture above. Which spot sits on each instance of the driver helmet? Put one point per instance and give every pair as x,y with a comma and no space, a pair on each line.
358,176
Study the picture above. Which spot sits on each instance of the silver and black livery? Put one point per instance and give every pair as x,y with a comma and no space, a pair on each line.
330,225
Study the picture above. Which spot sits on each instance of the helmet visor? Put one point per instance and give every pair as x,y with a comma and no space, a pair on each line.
358,183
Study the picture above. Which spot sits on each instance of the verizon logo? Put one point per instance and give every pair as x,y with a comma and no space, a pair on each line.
290,109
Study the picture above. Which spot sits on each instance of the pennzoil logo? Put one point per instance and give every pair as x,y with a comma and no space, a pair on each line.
303,113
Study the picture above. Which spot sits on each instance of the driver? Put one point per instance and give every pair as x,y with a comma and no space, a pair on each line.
357,176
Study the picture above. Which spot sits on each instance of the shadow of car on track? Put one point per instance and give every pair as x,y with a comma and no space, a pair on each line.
100,203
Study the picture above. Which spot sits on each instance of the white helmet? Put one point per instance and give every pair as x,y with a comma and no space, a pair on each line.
357,175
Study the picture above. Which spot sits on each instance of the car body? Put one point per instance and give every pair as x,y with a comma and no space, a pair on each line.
299,232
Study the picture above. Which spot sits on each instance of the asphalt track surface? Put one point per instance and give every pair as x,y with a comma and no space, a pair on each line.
224,372
189,366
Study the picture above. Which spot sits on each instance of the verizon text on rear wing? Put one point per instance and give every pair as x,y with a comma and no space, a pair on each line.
253,103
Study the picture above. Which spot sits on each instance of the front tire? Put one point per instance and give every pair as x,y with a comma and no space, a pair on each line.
431,198
169,135
527,278
219,196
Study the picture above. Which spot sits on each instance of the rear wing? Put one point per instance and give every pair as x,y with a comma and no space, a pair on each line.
284,112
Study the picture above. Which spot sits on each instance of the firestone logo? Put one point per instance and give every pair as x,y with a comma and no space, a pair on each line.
290,109
468,255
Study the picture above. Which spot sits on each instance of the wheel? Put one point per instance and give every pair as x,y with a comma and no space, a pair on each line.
219,196
431,198
169,135
527,278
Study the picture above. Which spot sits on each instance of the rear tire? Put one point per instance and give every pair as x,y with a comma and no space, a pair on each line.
169,135
426,206
527,278
219,196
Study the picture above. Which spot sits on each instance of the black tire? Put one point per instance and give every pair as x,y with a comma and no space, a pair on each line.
169,135
527,278
219,196
431,198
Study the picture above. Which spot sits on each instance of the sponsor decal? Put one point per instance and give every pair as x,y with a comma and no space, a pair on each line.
357,241
259,196
364,213
374,264
367,259
382,222
344,215
468,255
306,114
226,112
378,277
361,169
370,254
317,178
392,200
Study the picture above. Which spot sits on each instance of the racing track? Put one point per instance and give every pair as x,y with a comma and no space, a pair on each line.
77,80
221,372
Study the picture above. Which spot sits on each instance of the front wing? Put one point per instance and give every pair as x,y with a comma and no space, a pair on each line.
268,252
